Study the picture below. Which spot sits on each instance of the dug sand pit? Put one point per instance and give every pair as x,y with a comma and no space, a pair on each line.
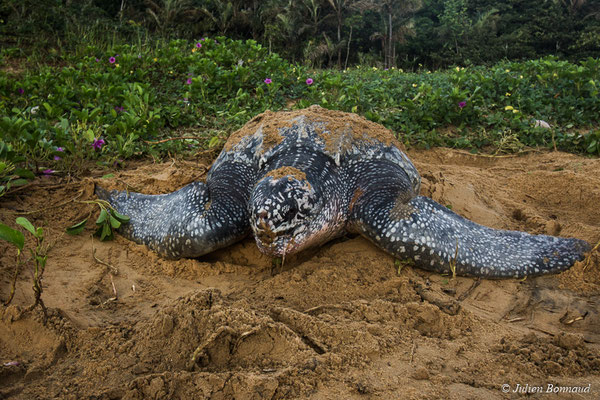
341,321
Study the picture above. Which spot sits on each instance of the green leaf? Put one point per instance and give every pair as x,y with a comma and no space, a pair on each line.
48,108
102,218
94,113
24,222
122,218
114,222
89,135
77,228
19,182
39,233
213,141
24,173
41,260
12,236
64,124
108,176
106,233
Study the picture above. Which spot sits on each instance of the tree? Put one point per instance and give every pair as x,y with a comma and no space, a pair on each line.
396,21
169,14
455,22
340,8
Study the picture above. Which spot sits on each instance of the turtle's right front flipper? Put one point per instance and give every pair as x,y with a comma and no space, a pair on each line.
185,223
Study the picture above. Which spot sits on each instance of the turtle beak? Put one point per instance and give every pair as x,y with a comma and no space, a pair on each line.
275,246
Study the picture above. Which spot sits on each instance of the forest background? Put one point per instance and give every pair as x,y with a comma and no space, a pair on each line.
408,34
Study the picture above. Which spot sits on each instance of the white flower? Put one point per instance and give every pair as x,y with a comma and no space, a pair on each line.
541,124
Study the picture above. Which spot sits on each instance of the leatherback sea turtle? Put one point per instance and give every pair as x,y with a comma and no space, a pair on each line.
300,178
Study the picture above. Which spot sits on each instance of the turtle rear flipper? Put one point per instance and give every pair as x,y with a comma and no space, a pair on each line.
440,240
185,223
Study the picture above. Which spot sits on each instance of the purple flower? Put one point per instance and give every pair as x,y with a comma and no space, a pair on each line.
309,81
268,81
12,364
198,45
60,149
139,56
189,81
20,90
56,158
119,109
462,104
98,143
48,171
97,59
112,60
185,99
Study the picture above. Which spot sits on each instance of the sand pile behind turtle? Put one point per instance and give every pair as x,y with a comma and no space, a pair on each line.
336,322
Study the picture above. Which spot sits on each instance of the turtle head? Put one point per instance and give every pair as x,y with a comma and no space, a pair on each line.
285,214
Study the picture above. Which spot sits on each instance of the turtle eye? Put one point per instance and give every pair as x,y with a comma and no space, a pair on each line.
290,213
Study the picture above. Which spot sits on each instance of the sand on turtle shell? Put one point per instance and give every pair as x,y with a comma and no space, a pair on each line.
340,321
291,172
335,127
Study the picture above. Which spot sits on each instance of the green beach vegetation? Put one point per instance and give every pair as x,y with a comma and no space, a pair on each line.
110,84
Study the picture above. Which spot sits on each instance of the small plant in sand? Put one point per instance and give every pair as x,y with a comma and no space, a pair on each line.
108,220
38,258
10,175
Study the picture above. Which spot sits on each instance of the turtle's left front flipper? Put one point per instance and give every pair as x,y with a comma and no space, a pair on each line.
442,241
185,223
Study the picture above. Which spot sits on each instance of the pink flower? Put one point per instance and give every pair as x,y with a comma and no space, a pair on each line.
268,81
20,90
189,81
112,60
48,171
56,158
309,81
198,45
12,364
98,143
97,59
60,149
462,104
